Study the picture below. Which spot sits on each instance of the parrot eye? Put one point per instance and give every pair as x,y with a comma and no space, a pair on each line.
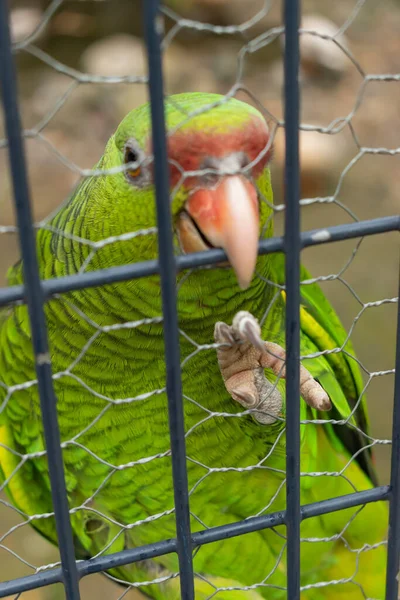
134,157
131,159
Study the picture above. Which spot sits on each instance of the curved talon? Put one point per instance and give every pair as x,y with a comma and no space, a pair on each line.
245,398
242,365
223,332
248,329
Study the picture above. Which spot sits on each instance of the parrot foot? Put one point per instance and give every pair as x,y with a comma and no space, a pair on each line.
242,360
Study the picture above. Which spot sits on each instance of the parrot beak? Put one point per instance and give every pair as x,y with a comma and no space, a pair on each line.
225,216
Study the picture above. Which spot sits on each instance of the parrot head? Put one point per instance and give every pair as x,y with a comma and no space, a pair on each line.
219,153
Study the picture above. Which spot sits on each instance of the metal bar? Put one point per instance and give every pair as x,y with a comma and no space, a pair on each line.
207,536
313,237
393,557
292,276
152,22
35,300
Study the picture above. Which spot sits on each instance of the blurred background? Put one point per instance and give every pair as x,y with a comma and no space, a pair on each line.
342,110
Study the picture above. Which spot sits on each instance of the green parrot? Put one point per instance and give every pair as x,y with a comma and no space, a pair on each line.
107,354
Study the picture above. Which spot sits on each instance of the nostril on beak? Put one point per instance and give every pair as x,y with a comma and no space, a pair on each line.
230,164
212,167
244,160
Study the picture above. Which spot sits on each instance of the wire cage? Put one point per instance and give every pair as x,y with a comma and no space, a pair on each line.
35,292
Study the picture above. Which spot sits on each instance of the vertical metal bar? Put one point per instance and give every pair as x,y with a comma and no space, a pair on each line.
168,271
393,557
35,302
292,249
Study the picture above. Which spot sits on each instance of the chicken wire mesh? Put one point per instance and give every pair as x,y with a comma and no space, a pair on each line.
207,478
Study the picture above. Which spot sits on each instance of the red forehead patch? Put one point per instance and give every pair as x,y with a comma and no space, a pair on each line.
191,147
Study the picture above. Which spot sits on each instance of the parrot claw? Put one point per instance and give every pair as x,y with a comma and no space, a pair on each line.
242,360
247,328
243,375
224,333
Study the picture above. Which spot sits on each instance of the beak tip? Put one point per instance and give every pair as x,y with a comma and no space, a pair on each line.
244,281
245,271
243,284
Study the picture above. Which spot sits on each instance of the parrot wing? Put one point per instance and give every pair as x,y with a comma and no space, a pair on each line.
21,436
322,330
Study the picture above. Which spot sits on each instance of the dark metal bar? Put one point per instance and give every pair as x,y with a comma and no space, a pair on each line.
152,21
292,275
313,237
393,557
207,536
35,300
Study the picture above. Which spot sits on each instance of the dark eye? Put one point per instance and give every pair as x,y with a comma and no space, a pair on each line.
132,156
137,170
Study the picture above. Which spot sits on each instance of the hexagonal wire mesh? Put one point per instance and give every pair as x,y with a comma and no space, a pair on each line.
190,473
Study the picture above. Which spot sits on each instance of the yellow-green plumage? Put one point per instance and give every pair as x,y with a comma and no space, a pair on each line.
109,416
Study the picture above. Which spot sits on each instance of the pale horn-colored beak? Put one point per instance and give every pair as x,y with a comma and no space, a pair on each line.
228,217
